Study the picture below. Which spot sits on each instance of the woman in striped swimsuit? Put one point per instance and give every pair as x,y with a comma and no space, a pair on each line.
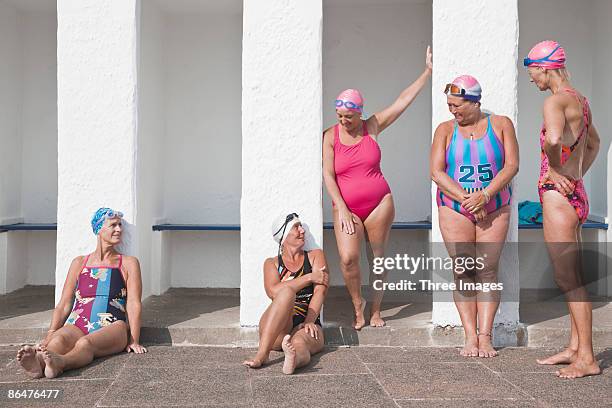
473,160
99,311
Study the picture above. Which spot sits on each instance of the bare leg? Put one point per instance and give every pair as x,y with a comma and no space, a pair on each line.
490,237
561,231
378,227
459,234
61,342
348,249
108,340
275,322
299,347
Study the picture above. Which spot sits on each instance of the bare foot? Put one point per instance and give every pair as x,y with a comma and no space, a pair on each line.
28,359
579,368
359,318
255,362
54,363
471,347
376,320
567,356
485,348
289,364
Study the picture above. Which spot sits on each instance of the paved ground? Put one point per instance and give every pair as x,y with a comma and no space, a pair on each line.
339,377
211,317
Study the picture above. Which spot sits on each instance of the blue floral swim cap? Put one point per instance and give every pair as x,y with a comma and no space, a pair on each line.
101,215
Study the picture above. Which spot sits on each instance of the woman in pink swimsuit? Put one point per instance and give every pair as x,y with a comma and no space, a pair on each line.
569,145
99,311
363,205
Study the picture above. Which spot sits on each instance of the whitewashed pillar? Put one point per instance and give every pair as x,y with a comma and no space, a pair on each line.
281,133
479,38
97,58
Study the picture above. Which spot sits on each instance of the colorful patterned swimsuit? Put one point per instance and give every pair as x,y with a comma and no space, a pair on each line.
303,297
474,164
578,199
100,297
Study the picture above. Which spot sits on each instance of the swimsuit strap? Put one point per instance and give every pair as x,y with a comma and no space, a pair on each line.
365,128
585,115
307,267
120,261
85,262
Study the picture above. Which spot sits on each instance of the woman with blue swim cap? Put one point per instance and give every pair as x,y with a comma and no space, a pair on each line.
99,311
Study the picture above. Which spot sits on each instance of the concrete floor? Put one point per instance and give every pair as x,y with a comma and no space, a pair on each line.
377,377
211,317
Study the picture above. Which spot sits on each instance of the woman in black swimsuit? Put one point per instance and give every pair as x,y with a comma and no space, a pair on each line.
296,281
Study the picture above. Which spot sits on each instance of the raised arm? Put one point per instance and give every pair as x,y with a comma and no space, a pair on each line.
134,305
329,176
64,306
272,282
438,164
383,119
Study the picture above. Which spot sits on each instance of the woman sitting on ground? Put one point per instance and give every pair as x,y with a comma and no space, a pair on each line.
296,281
101,295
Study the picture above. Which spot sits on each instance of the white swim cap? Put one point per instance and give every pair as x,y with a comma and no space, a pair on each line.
282,225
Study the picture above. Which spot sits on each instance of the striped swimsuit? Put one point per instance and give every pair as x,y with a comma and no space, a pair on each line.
474,164
100,297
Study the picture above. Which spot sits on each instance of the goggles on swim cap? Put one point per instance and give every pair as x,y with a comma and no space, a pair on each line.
348,105
283,227
456,90
528,61
101,215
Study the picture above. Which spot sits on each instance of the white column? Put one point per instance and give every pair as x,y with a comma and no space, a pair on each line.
480,38
281,133
97,121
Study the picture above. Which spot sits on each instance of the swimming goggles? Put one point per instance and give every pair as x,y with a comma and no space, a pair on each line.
289,218
348,104
456,90
528,61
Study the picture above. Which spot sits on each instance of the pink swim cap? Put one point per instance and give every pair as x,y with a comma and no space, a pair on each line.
546,54
350,99
473,91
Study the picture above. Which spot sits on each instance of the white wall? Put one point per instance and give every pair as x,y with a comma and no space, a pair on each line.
281,127
202,143
380,50
39,116
190,138
151,126
11,72
570,23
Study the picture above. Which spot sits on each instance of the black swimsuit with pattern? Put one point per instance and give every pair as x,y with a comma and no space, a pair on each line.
303,297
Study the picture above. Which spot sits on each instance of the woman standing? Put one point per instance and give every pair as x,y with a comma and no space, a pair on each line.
363,204
569,144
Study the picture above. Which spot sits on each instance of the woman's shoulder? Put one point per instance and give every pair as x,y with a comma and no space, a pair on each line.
130,261
500,120
446,126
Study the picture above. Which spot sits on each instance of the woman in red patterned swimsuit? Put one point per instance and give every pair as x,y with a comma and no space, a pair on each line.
102,291
569,145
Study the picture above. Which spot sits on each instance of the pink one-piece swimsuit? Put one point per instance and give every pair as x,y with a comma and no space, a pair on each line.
358,173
